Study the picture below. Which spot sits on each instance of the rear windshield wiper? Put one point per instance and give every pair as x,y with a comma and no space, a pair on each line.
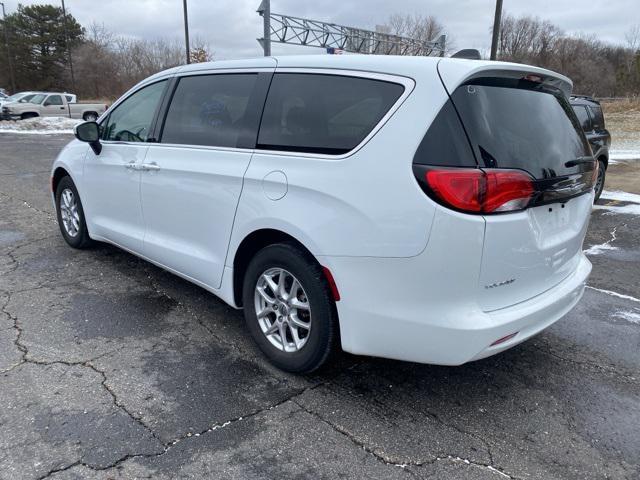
579,161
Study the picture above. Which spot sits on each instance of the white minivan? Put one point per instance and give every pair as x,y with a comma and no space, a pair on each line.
422,209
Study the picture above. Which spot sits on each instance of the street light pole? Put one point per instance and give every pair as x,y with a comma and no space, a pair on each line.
496,30
6,43
186,30
66,44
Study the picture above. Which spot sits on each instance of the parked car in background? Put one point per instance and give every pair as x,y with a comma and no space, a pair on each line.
53,105
356,201
589,112
17,97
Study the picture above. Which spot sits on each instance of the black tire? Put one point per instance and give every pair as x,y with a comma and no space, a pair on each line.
90,117
602,170
81,239
26,116
323,336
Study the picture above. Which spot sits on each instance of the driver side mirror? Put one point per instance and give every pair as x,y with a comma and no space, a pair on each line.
89,132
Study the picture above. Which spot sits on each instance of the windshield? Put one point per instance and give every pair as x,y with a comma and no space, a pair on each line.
520,124
37,99
15,97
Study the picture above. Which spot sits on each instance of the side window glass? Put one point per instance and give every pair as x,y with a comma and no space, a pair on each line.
211,110
53,100
320,113
131,120
583,117
69,98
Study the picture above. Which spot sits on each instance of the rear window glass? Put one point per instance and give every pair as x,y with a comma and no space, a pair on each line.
523,125
210,110
323,113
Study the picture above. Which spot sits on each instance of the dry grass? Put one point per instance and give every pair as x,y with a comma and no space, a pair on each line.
623,106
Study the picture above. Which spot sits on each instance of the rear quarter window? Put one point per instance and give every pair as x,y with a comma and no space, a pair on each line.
320,113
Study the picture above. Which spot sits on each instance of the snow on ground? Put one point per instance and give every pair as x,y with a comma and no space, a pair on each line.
630,316
598,249
615,156
632,200
40,126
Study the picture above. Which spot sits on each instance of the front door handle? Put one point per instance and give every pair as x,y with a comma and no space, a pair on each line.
132,166
153,166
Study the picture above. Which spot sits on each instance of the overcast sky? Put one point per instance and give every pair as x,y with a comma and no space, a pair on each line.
231,26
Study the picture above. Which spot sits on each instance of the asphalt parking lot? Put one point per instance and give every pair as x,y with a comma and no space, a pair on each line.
112,368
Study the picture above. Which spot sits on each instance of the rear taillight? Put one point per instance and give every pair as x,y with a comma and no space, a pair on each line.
474,190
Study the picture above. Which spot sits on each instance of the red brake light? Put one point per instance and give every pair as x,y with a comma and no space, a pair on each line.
481,191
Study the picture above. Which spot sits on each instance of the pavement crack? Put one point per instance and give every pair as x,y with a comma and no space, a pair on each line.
488,466
28,205
379,456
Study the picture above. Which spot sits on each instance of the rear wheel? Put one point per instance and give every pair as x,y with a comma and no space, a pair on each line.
90,117
71,215
599,186
288,308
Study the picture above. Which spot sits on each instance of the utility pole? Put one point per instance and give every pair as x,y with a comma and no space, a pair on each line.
186,30
265,10
66,44
5,28
496,30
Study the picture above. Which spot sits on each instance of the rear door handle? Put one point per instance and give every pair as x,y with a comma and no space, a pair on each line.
132,166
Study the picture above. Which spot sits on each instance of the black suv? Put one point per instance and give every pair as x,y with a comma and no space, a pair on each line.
589,113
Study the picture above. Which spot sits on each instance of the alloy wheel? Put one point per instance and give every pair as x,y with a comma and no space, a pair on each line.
283,311
69,212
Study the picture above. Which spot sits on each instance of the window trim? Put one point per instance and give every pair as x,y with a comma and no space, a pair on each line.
407,82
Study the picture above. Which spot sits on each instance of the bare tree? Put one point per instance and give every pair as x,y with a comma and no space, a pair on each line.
632,37
421,27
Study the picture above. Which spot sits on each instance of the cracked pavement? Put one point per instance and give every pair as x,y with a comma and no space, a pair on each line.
111,368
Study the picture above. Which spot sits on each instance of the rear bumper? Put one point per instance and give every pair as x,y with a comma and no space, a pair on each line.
406,319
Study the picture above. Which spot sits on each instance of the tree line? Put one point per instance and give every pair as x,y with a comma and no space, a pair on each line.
105,64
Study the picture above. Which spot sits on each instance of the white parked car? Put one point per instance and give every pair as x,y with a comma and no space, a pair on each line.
422,209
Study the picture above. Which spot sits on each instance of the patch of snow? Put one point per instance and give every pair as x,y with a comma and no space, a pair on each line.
615,294
620,196
633,207
630,316
597,249
617,155
40,126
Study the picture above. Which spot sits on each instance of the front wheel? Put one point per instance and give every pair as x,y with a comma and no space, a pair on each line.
288,308
71,215
599,186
